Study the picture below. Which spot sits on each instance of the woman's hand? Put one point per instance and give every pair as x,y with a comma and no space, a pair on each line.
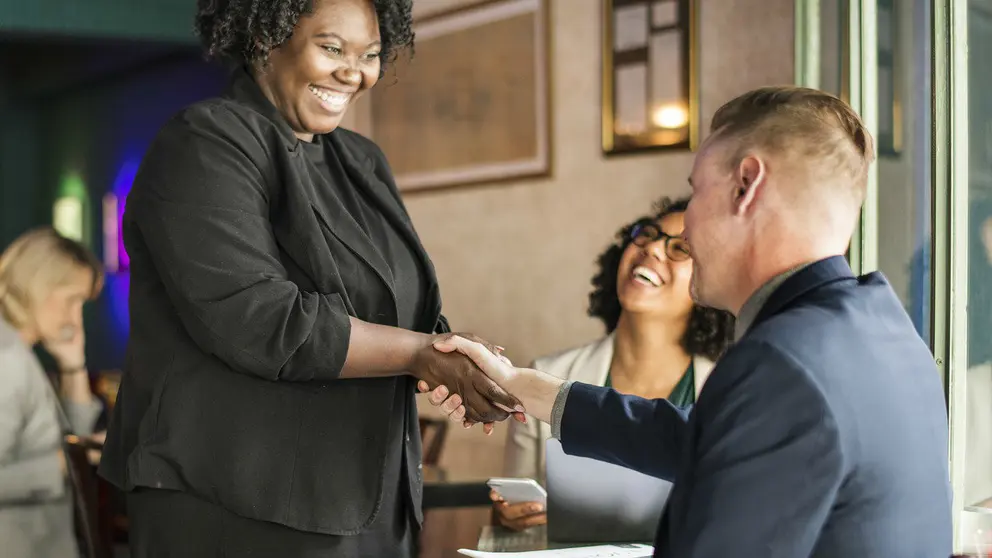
483,400
537,390
68,350
518,516
450,404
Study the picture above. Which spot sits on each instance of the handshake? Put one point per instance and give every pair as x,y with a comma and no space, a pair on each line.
472,382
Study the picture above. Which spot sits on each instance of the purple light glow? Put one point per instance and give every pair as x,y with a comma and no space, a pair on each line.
122,186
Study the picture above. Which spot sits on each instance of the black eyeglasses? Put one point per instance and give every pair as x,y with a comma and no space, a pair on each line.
676,248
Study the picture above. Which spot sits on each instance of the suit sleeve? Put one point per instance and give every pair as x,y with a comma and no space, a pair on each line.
768,463
641,434
200,205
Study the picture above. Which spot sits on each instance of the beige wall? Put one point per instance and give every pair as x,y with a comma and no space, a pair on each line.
515,260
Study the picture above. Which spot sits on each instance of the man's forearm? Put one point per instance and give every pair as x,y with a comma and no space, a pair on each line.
537,391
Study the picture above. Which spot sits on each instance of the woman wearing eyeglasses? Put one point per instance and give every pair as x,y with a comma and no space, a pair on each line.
659,344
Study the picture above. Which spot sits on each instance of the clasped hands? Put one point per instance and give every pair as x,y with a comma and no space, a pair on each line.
452,367
491,392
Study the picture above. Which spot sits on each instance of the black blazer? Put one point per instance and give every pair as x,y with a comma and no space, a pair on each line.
821,433
241,289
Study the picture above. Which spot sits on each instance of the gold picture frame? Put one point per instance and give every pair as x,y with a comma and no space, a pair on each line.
466,110
650,97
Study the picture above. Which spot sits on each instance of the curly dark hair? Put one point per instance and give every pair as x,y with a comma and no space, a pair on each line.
709,332
240,31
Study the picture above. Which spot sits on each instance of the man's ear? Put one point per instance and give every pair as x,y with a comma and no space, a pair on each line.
749,178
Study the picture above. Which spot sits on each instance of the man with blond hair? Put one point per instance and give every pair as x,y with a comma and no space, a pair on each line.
822,432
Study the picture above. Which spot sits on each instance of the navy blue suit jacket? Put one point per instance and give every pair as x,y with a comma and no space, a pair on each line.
822,432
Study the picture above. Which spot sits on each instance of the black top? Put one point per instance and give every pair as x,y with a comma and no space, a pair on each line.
409,283
242,284
336,189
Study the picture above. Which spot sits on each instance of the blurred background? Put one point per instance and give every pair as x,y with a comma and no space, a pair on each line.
86,84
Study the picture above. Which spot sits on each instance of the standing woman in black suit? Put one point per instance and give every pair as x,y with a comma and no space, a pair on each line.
282,306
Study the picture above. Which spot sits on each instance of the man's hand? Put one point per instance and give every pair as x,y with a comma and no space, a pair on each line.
536,389
483,399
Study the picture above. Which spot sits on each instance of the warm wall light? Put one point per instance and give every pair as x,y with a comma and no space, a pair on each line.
111,258
672,116
67,217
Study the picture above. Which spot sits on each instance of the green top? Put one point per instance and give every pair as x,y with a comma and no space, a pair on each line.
684,393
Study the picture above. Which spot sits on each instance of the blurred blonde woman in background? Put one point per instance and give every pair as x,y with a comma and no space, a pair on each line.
44,280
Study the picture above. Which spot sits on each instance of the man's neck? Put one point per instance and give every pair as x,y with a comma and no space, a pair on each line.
752,306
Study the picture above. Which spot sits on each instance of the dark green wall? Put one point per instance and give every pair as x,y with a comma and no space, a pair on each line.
165,20
91,131
20,207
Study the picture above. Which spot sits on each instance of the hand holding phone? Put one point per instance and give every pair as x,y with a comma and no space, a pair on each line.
515,491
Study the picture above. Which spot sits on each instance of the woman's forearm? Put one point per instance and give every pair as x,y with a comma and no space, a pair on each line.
377,350
75,386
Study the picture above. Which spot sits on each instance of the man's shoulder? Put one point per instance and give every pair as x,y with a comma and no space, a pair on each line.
837,315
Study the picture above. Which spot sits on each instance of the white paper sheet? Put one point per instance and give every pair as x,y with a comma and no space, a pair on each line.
603,551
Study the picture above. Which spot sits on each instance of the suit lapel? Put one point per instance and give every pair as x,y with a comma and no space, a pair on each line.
343,226
361,169
805,280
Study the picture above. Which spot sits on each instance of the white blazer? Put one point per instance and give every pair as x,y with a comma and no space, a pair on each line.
589,364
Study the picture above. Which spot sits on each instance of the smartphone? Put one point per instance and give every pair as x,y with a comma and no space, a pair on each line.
515,491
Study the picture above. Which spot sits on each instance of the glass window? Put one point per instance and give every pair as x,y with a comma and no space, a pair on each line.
977,519
903,147
979,485
831,45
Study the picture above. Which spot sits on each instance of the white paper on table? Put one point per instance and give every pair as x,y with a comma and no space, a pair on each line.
603,551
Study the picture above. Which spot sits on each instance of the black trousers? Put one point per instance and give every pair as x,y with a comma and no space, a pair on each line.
170,524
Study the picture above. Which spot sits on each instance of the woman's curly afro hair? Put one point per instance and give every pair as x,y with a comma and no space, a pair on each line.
242,31
709,332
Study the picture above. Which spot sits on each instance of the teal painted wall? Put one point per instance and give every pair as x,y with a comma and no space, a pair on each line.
161,20
20,206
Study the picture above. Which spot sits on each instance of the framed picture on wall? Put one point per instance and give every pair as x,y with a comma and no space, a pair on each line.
473,104
650,98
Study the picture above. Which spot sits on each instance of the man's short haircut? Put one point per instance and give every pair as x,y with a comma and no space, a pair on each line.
803,124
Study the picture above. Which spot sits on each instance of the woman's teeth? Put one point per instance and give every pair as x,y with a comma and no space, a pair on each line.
647,275
336,100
